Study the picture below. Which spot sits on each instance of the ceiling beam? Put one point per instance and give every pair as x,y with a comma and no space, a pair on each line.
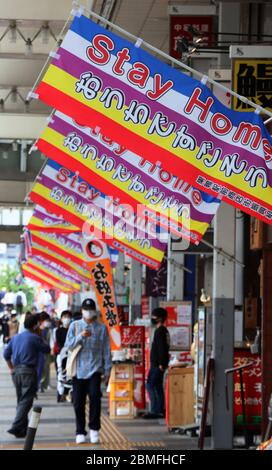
21,126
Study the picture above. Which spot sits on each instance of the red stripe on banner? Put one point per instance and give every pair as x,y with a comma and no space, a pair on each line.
50,275
74,220
58,250
100,183
37,252
90,117
38,279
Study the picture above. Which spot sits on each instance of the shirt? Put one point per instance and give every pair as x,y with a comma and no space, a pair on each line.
159,355
23,349
95,354
61,334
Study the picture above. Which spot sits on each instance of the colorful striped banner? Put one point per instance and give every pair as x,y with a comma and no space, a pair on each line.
163,115
174,204
61,191
66,276
51,255
43,221
43,278
66,245
53,274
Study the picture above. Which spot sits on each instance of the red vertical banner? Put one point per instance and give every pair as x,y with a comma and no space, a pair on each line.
98,262
252,378
133,339
179,28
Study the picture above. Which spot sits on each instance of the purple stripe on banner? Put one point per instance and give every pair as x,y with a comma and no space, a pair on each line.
50,184
64,128
40,215
59,269
62,236
75,66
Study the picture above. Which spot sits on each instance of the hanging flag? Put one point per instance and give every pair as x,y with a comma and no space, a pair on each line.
43,278
53,274
66,276
156,111
74,268
98,261
61,191
45,222
66,245
173,203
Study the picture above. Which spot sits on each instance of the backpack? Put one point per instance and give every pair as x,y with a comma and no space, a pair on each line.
19,301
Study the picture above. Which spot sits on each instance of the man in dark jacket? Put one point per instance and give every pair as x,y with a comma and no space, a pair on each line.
21,355
159,359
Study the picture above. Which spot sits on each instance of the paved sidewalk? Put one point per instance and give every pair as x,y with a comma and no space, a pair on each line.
57,425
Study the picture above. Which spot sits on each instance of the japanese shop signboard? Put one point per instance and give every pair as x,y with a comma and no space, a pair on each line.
158,112
98,261
252,378
179,28
252,78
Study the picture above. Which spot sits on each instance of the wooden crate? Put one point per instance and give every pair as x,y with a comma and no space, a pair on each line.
122,410
180,396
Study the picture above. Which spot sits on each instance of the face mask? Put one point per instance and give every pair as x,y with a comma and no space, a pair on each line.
89,314
155,321
66,321
47,324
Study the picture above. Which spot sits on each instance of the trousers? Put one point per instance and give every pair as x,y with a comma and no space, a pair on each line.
92,388
25,381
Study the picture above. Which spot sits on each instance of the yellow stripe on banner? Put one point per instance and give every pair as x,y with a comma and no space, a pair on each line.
33,262
41,224
66,83
53,137
45,236
151,252
45,278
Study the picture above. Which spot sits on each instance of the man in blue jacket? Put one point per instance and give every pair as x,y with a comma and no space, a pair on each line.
21,355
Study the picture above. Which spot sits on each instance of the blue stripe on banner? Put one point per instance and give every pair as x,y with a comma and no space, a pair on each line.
183,84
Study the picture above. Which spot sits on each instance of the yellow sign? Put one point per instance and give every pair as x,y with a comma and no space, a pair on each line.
252,78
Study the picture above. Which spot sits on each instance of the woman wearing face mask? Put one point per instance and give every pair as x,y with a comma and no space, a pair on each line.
92,361
61,355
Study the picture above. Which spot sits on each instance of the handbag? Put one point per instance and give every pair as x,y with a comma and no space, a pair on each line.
71,360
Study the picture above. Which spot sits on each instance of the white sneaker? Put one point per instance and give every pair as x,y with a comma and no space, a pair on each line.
80,439
94,436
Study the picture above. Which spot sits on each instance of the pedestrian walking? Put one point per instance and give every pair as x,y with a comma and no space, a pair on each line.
46,334
20,301
91,341
61,353
159,359
21,355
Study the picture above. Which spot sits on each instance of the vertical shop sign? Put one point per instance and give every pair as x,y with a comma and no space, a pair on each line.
179,26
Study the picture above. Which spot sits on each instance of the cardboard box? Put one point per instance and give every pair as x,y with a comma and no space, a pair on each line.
122,410
122,373
121,391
